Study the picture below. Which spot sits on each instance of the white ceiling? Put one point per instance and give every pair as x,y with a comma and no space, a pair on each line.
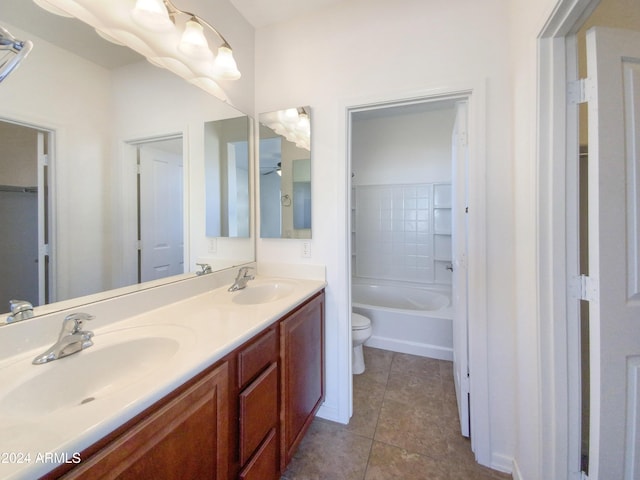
260,13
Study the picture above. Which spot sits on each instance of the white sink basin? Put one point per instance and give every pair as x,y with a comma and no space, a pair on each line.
263,293
116,359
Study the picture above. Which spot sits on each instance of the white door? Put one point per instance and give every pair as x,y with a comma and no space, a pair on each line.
613,59
460,155
161,215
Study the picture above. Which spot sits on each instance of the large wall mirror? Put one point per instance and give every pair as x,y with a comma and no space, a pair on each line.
102,169
285,173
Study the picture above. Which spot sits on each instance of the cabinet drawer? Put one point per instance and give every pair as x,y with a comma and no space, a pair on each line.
258,411
257,356
264,464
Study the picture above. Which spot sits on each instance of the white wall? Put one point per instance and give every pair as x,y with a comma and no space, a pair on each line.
526,22
402,148
373,49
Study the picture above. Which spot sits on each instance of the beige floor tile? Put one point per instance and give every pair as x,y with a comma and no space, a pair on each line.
412,427
412,388
389,463
328,451
405,426
406,364
368,395
377,364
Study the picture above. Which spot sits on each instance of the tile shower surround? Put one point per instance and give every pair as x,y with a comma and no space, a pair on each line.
404,427
403,232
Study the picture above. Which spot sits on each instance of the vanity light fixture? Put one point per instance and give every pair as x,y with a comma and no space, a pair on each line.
162,15
167,36
152,15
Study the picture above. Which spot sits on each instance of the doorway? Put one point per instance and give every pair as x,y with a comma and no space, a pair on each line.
160,246
471,351
592,363
25,206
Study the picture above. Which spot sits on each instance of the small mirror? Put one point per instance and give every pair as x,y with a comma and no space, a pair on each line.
226,157
285,173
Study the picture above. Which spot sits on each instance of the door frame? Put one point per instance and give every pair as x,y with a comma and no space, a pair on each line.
47,277
127,273
475,94
558,241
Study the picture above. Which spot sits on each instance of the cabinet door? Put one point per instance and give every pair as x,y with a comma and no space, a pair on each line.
302,382
258,411
185,439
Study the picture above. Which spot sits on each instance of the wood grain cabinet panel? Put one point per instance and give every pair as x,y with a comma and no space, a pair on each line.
257,356
264,464
185,439
302,373
258,411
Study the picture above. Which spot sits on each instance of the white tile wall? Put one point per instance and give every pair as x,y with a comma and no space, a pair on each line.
400,235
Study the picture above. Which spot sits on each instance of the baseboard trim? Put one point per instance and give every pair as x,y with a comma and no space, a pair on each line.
502,463
413,348
516,471
331,413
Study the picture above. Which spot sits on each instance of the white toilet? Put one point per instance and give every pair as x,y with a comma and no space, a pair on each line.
360,333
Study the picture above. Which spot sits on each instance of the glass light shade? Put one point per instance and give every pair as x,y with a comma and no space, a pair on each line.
303,125
152,15
108,37
51,8
193,42
224,66
290,116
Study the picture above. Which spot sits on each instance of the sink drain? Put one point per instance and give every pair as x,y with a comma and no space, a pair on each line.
87,400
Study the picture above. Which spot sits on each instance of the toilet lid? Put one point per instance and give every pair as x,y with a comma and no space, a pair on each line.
359,322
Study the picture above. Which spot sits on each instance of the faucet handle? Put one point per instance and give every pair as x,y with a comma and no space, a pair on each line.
18,306
244,273
206,268
74,322
20,310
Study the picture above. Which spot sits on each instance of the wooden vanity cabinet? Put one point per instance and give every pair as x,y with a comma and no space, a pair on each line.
302,373
187,438
241,418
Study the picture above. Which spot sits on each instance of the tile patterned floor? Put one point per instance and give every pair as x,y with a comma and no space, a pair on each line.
404,426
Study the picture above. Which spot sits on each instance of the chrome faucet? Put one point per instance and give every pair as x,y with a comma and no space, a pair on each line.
205,269
20,310
72,339
241,280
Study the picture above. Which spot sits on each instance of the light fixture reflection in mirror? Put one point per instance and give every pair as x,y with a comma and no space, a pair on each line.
285,173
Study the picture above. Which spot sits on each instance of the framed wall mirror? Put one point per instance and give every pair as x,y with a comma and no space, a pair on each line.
102,145
285,173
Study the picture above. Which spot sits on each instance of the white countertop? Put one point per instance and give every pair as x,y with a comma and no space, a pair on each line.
209,325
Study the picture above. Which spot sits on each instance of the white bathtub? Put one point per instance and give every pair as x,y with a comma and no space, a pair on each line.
407,318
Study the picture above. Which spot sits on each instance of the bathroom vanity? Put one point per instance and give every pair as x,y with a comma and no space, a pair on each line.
239,412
